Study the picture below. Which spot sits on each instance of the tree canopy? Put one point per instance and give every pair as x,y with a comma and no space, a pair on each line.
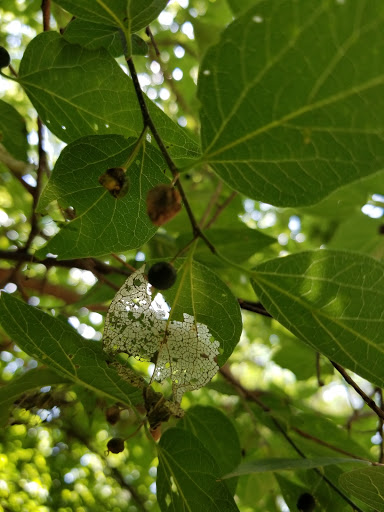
191,255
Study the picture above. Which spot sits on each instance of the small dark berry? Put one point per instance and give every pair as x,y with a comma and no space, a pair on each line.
112,414
306,503
5,59
162,275
381,229
115,445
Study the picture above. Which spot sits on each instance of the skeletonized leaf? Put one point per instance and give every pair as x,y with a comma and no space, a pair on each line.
103,224
56,344
188,476
292,99
80,92
332,300
141,326
367,484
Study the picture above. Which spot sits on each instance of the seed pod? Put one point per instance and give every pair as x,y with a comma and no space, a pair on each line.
162,275
112,414
5,58
306,502
115,181
115,445
163,203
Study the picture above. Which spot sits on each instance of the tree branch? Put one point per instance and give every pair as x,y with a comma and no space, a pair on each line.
369,401
227,374
171,165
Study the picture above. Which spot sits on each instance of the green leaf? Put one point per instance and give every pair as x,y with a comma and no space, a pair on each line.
80,92
201,293
13,132
187,476
366,484
237,244
332,300
218,435
116,12
277,94
360,233
93,36
29,381
239,7
103,224
277,464
56,344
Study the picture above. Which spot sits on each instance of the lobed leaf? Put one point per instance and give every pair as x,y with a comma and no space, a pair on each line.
188,476
80,92
332,300
56,344
103,224
291,99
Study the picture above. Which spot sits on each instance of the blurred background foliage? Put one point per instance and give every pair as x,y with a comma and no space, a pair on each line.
53,451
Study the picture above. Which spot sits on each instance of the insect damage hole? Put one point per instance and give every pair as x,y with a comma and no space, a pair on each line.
138,325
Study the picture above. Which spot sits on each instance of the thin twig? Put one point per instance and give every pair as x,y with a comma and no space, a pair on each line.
255,307
320,381
211,203
155,55
369,401
324,443
225,371
171,165
380,426
46,10
81,263
124,263
220,209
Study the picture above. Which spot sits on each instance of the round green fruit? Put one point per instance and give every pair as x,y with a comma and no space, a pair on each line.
162,275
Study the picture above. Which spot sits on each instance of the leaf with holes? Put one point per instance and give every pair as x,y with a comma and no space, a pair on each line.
80,92
292,99
56,344
332,300
188,476
103,224
185,348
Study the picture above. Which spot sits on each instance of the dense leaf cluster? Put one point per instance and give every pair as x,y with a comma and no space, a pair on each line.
228,154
